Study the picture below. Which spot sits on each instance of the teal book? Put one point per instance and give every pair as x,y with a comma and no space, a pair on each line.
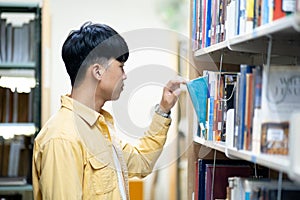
197,89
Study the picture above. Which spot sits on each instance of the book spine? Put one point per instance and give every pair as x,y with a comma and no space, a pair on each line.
249,115
257,13
278,12
200,28
244,69
208,23
196,185
204,7
236,110
211,100
249,16
238,16
264,12
194,25
242,17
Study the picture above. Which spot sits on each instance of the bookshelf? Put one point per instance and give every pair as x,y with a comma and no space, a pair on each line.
20,88
276,42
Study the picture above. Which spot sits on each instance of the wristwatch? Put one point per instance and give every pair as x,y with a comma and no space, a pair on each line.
160,112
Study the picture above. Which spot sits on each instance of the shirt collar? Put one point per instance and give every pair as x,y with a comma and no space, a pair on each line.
86,113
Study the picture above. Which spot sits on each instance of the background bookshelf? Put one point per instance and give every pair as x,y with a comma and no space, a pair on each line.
20,88
272,39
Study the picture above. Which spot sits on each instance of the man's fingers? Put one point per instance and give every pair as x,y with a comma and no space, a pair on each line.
172,85
177,92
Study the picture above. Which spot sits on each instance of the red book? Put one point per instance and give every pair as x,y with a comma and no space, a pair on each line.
221,173
278,12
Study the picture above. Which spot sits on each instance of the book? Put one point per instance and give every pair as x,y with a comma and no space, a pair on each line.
208,23
197,89
222,18
248,112
257,76
280,98
218,106
204,7
23,107
14,157
264,12
2,103
194,25
242,16
196,185
257,13
15,107
278,12
260,188
211,97
217,178
256,112
249,16
244,69
200,24
9,42
32,42
202,173
3,40
214,10
236,111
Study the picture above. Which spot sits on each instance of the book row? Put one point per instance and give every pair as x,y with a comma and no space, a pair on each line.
235,179
15,107
17,43
249,109
15,159
217,20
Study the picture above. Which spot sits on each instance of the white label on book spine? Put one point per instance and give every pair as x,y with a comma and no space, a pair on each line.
219,126
288,5
275,134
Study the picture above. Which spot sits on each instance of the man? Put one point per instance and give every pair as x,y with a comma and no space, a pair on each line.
76,154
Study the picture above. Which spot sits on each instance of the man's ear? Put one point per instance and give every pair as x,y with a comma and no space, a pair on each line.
97,71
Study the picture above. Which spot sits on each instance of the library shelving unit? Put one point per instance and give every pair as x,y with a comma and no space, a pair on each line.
20,81
277,42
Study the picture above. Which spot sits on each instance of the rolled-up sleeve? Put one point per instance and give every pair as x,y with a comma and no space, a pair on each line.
141,158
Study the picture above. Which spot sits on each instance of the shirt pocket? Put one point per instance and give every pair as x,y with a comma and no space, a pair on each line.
103,177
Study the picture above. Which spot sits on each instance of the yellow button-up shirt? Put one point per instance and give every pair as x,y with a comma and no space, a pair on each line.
73,154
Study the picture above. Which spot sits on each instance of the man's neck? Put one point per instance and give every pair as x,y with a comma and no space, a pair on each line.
87,97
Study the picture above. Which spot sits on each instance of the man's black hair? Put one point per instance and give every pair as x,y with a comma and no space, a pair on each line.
91,43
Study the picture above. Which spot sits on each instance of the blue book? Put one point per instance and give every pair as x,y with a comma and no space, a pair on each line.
208,23
237,19
194,25
257,86
244,69
197,89
265,12
212,80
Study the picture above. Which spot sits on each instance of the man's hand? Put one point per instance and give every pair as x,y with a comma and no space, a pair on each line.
170,95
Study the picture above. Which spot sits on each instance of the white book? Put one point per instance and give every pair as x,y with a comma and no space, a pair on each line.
280,98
